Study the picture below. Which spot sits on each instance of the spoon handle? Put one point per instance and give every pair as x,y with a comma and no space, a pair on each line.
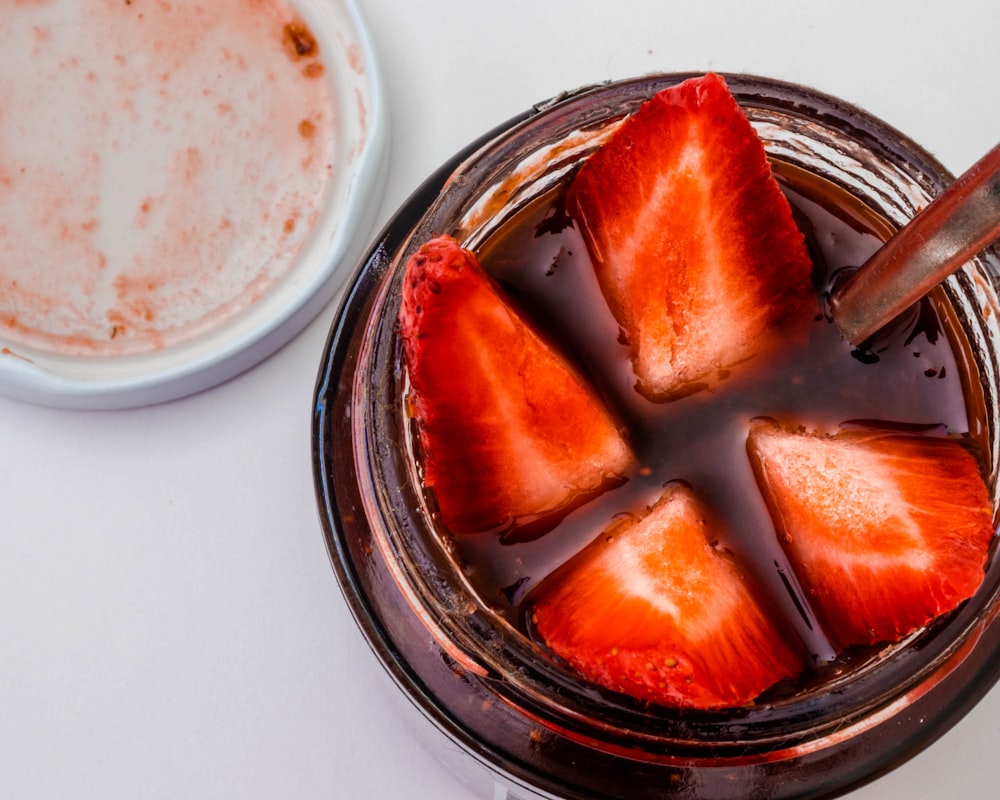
956,225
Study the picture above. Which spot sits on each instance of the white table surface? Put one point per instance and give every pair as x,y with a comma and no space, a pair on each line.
170,623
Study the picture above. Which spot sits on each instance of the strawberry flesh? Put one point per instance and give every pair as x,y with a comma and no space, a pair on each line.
693,243
699,259
653,610
886,530
512,436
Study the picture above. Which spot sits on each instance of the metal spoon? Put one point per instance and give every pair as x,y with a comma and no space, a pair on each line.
958,223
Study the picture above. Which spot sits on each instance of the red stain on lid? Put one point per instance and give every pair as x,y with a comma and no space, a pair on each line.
153,163
355,58
299,40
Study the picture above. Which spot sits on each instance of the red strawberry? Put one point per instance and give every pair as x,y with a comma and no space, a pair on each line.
693,242
655,611
886,530
511,435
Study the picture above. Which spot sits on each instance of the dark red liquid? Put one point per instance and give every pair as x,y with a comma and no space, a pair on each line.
906,376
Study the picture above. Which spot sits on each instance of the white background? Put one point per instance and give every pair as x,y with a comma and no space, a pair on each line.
170,626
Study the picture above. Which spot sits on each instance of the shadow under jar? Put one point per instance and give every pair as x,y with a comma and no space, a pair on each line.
510,717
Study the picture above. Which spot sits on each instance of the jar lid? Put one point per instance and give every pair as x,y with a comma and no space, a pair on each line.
183,187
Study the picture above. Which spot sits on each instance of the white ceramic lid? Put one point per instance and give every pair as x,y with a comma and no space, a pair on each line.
183,186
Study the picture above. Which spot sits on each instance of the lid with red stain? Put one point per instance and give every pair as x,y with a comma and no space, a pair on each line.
183,184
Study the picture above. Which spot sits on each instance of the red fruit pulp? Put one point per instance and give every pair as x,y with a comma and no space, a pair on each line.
908,377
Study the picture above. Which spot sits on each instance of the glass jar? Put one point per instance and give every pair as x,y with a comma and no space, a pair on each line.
515,723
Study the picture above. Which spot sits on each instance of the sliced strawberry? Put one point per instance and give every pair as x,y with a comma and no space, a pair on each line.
693,242
886,530
655,611
512,437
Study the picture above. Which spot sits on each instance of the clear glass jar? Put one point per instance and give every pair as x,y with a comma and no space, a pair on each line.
515,720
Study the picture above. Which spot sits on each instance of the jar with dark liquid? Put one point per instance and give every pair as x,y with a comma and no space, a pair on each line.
445,615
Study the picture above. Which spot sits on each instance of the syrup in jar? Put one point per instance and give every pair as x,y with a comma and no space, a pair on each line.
906,377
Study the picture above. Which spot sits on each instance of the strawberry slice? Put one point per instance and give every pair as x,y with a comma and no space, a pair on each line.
512,436
886,529
693,242
654,610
